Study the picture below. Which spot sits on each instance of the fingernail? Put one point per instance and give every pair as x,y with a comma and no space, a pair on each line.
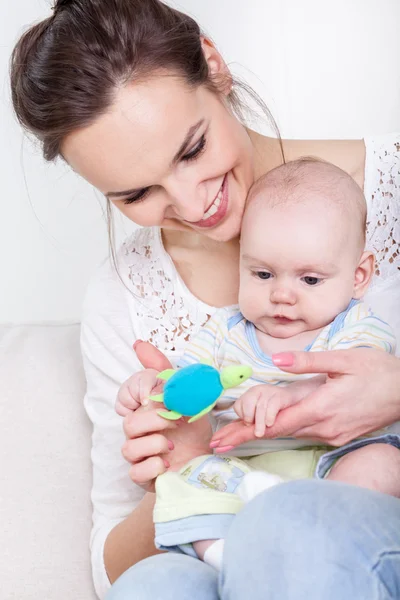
283,359
171,445
215,444
145,402
166,463
136,343
224,449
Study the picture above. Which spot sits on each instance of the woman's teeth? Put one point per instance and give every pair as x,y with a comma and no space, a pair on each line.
214,207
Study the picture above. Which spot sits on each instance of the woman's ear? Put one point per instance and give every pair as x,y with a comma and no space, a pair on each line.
217,68
363,274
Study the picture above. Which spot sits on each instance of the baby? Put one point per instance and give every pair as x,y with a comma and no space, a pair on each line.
303,272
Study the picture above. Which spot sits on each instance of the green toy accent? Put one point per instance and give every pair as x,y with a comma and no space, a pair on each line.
167,374
158,398
202,413
171,415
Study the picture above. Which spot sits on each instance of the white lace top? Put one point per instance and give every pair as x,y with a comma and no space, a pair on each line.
158,307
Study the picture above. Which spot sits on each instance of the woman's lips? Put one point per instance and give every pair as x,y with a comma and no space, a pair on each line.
222,208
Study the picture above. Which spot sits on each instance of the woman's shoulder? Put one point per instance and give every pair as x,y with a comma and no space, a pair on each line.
143,286
362,158
112,279
349,155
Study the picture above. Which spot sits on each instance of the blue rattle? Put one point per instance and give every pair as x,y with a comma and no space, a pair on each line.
194,390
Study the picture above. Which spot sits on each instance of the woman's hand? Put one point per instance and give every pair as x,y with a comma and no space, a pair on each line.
361,395
153,444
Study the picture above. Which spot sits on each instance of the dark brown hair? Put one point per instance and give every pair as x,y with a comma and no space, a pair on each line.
66,69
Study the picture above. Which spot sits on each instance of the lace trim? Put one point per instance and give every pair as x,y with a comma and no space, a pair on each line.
167,317
382,188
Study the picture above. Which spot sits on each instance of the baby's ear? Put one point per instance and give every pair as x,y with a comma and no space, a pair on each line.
363,274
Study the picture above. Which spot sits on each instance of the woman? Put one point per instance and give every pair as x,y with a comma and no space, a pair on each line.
131,95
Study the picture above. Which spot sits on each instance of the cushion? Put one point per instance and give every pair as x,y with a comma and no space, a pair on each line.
45,475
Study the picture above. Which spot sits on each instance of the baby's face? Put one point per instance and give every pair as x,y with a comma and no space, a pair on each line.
297,269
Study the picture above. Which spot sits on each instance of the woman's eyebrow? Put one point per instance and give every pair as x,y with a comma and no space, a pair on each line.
186,142
189,136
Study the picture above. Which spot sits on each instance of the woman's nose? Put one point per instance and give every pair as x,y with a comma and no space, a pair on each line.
187,202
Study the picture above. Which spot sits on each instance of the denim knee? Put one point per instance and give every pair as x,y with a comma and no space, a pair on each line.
167,577
311,539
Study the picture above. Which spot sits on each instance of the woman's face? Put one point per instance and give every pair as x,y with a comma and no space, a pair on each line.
168,155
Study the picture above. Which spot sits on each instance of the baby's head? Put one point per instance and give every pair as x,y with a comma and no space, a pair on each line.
302,253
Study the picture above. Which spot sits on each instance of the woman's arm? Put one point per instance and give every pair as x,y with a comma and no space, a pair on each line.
106,341
361,395
127,454
132,540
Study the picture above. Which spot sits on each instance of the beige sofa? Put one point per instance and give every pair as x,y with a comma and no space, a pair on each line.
45,474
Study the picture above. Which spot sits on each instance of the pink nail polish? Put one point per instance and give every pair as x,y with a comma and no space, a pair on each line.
215,444
224,449
166,463
283,359
171,445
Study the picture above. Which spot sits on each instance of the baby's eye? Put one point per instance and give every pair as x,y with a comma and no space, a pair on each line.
263,275
311,280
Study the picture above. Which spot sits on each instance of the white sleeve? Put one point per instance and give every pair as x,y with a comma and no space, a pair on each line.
106,341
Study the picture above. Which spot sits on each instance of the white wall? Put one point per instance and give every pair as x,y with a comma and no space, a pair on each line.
326,69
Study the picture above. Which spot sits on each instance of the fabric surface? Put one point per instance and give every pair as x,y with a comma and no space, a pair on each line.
45,474
154,304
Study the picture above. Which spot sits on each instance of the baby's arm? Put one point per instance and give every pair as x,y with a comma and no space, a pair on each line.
135,391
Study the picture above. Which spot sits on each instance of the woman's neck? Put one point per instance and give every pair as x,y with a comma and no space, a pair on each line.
191,240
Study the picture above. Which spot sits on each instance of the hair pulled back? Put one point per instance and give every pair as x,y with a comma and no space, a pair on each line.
66,70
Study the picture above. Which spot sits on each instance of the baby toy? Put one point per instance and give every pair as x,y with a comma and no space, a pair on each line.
194,390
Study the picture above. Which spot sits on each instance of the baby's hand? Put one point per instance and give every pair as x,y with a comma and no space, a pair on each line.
261,404
135,391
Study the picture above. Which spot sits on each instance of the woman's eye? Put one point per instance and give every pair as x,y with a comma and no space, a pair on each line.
137,197
263,275
197,150
311,280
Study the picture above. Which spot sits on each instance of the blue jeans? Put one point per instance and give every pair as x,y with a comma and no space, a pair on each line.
303,540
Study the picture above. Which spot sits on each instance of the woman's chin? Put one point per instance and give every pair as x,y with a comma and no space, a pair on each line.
221,233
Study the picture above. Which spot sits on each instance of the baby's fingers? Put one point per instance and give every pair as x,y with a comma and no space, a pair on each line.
260,418
125,402
248,403
149,384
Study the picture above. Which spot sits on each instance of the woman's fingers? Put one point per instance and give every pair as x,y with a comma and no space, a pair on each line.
145,472
232,435
333,361
152,445
146,420
150,356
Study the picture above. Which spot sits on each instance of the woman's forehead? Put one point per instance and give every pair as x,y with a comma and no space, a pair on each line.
141,133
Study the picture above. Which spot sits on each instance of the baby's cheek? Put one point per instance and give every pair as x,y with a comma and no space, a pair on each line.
249,305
